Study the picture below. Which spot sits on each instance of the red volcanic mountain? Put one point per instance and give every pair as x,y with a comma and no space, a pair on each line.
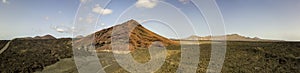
137,34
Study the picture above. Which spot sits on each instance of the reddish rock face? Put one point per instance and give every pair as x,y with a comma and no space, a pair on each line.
135,33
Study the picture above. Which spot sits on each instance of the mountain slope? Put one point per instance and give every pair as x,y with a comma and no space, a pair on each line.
137,34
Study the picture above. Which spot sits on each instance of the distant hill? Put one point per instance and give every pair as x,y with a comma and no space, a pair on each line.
48,36
79,36
139,37
45,37
230,37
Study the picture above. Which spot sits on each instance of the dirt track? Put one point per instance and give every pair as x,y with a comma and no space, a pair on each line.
5,47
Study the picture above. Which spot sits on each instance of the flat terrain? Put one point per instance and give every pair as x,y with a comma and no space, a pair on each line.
33,55
241,57
245,57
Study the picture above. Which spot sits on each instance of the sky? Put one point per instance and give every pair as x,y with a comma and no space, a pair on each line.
267,19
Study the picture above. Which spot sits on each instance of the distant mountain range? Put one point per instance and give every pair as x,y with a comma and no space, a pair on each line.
45,37
48,36
230,37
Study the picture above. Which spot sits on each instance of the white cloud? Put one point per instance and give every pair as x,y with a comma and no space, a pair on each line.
82,1
4,1
80,19
90,20
102,24
100,10
146,3
62,29
46,18
184,1
59,12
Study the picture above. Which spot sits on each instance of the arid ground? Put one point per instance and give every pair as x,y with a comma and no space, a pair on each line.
51,56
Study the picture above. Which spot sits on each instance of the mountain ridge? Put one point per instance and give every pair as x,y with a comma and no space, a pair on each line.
229,37
44,37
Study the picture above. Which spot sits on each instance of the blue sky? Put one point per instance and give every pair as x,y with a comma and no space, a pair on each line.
269,19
